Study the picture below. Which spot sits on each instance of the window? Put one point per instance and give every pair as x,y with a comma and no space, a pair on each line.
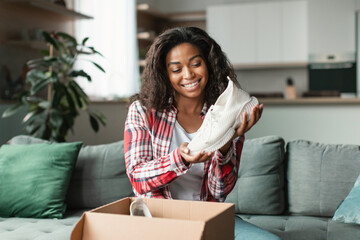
113,33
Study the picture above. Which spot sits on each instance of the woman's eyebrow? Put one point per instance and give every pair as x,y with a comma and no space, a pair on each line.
190,59
194,57
173,63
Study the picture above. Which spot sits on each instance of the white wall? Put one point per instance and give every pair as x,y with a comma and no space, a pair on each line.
10,126
113,131
273,80
317,122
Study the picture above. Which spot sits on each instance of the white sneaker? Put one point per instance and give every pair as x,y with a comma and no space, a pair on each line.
222,119
139,208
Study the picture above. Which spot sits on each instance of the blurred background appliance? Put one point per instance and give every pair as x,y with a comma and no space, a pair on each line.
332,73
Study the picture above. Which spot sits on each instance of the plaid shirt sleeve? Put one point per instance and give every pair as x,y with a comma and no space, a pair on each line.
146,171
223,172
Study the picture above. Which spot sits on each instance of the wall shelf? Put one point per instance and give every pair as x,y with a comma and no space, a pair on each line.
173,17
51,7
310,101
38,45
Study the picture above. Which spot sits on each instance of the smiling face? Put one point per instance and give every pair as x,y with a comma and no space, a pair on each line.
187,71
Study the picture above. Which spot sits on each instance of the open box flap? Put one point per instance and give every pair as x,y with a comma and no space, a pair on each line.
97,225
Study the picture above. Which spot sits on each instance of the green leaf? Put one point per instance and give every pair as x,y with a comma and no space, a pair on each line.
70,102
49,60
56,118
50,40
84,41
12,110
29,117
95,51
67,36
57,95
40,85
76,95
100,117
44,104
45,52
33,76
94,123
34,107
80,73
98,66
80,92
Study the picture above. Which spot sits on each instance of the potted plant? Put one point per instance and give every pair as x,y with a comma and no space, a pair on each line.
52,115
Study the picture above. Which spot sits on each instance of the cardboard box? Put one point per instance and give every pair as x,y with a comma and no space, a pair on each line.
172,219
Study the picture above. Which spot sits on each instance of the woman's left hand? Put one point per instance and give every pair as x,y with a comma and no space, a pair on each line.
245,125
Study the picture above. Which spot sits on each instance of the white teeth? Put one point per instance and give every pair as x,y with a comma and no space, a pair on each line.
191,85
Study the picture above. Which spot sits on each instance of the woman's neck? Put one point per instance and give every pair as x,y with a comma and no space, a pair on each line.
189,106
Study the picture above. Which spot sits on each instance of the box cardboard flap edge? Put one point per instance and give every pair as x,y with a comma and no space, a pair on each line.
175,218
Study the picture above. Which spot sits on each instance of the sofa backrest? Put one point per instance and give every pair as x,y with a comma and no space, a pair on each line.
99,176
260,186
320,176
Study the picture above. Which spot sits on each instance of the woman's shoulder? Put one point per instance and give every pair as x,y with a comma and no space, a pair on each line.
137,106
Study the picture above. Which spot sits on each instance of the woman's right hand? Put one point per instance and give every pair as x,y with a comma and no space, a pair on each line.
198,158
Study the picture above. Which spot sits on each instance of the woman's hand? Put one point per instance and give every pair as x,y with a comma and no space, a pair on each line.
245,126
198,158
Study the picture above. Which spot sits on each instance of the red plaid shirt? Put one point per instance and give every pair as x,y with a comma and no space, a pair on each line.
151,167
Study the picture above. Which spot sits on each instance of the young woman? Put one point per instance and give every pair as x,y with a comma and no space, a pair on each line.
186,71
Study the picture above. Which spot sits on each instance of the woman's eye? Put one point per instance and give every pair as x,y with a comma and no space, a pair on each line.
176,70
196,64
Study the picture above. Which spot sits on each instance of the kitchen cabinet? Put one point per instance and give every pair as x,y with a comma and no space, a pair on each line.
261,33
268,32
295,31
233,27
332,26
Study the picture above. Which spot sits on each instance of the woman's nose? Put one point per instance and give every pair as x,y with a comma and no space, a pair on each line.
188,74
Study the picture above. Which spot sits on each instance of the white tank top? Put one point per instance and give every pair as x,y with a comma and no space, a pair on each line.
187,186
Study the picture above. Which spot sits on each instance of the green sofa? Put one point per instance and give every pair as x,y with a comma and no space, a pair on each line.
293,191
290,190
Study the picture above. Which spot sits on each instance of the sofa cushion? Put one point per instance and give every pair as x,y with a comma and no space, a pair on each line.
34,179
260,186
305,227
39,228
320,176
349,209
99,176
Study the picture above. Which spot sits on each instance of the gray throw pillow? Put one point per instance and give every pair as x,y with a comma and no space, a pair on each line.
99,176
260,186
320,176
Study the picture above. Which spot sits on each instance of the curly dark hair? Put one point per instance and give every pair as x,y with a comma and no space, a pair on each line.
156,90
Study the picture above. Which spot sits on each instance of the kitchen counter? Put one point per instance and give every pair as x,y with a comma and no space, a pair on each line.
312,100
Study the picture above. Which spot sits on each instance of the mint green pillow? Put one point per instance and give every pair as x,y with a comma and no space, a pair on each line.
349,210
34,179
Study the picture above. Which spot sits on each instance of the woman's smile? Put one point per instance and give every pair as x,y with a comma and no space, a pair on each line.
191,86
